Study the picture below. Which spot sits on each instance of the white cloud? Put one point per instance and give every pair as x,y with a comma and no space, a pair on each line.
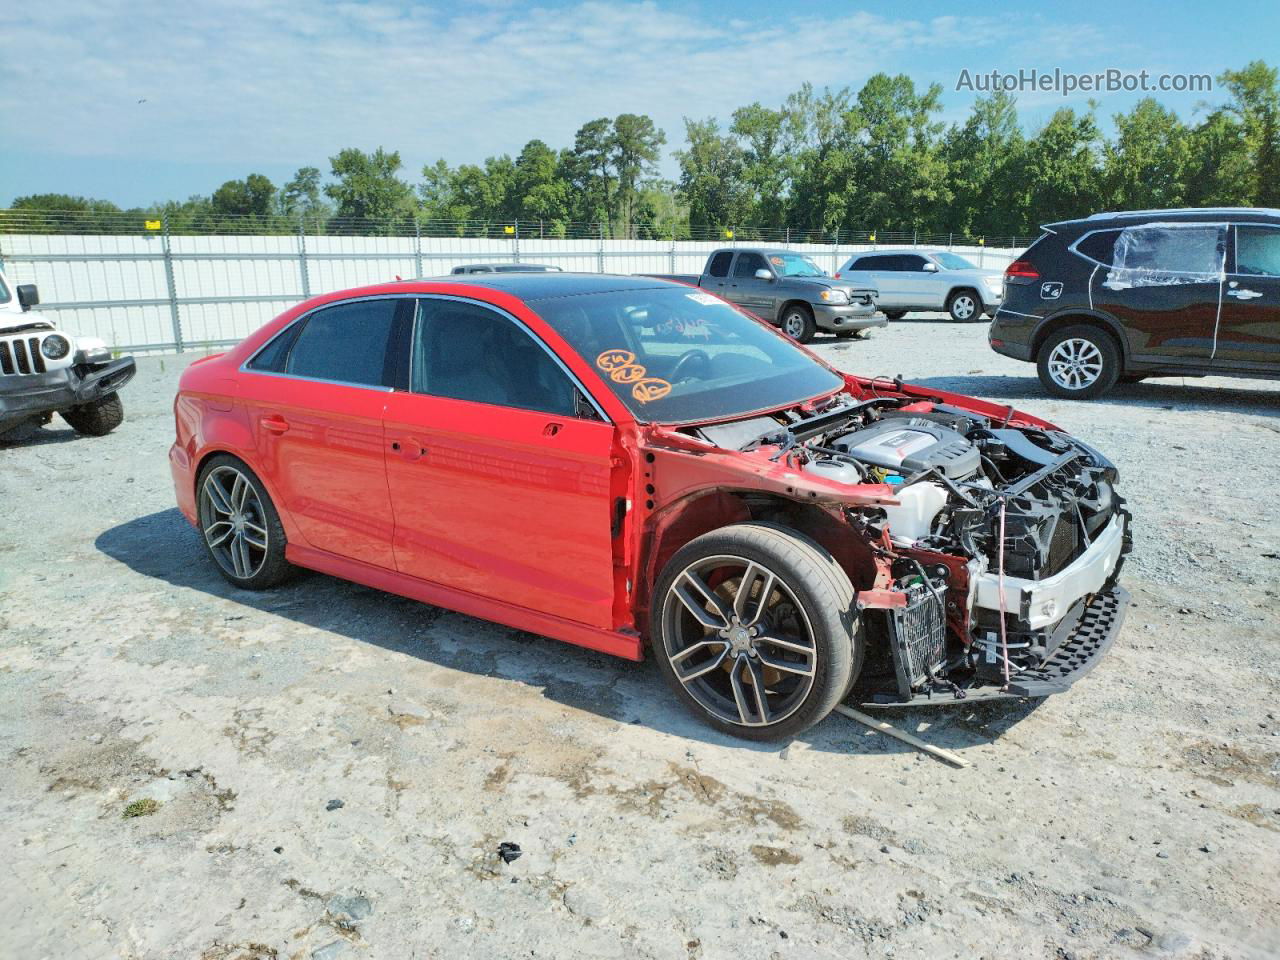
292,81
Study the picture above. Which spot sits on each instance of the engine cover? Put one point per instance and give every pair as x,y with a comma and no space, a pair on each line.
911,446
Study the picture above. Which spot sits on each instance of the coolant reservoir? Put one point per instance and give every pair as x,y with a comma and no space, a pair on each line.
918,505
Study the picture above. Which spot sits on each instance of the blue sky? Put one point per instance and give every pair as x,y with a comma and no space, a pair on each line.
140,101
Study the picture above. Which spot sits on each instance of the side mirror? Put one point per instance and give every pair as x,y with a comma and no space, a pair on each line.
930,267
763,274
28,295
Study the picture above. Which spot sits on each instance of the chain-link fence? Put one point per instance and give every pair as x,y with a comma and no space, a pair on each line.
162,284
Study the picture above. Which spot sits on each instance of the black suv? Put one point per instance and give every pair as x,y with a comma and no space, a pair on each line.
1124,296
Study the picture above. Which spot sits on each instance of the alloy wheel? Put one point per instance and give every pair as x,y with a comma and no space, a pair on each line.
963,307
1075,364
234,522
739,641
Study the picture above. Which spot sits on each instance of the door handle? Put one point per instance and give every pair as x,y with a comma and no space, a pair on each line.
551,429
274,423
1243,294
409,449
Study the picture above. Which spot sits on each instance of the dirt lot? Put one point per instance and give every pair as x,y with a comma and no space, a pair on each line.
332,769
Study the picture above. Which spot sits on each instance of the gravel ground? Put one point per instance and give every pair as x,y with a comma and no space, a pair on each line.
326,771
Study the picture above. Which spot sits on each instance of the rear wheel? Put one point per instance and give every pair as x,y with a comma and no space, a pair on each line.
98,418
240,526
797,322
754,628
1080,363
964,306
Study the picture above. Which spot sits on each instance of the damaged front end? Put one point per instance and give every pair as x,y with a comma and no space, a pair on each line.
987,547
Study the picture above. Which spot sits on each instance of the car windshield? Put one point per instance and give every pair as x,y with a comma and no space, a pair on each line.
950,261
675,355
795,265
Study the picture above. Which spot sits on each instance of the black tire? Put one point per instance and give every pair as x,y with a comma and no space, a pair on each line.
1099,359
273,568
964,305
98,418
797,322
823,605
894,314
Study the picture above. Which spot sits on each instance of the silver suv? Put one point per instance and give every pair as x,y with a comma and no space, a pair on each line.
927,280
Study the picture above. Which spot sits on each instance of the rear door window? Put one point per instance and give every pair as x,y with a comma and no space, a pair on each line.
348,343
720,264
873,263
1164,254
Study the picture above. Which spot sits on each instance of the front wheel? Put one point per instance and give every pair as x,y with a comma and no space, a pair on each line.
797,323
1078,363
240,526
964,306
98,418
754,628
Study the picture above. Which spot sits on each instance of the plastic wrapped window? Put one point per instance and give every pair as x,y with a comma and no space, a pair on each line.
1164,254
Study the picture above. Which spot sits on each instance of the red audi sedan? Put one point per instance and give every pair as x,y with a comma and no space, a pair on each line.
633,465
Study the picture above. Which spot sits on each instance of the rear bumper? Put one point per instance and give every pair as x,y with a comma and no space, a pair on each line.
34,394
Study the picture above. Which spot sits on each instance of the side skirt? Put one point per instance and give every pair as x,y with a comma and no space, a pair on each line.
625,645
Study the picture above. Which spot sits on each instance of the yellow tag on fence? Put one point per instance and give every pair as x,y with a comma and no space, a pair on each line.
728,234
152,224
508,230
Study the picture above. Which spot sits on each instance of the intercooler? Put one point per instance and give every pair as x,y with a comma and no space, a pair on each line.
918,633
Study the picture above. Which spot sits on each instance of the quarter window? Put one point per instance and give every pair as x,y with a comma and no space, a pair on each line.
347,343
467,352
1099,246
1258,251
720,264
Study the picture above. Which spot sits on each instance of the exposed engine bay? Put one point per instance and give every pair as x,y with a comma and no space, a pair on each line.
1005,540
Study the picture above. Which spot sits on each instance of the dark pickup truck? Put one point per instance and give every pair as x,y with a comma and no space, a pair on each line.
788,290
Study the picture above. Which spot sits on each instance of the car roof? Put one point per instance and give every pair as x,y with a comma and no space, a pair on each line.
508,267
1189,214
538,286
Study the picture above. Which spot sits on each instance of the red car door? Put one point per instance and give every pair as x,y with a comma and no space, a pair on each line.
315,404
500,488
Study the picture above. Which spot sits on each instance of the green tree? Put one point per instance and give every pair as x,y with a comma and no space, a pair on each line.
542,193
1146,165
901,175
766,165
1218,171
42,212
301,196
368,189
1062,175
1255,102
250,197
711,168
983,158
587,167
634,150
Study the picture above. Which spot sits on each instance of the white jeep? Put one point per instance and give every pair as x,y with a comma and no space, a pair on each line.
44,371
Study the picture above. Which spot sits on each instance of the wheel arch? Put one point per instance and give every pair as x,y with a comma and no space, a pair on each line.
793,302
707,510
208,453
1072,318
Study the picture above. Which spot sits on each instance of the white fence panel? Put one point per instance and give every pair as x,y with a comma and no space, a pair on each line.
129,289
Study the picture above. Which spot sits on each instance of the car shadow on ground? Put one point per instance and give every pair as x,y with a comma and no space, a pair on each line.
1165,393
39,437
163,546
